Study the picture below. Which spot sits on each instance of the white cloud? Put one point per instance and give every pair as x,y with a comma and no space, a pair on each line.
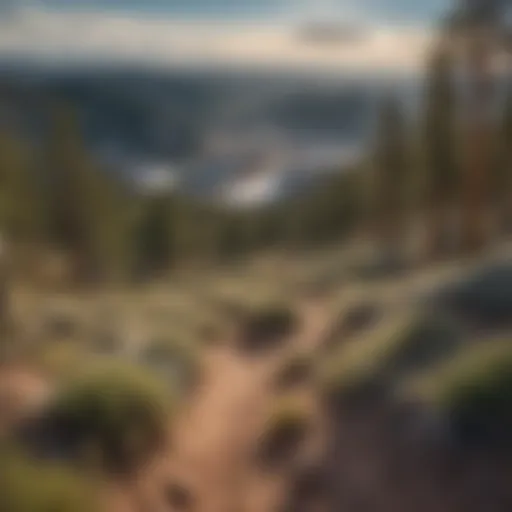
98,35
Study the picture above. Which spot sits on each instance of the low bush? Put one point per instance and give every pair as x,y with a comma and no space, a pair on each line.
119,413
484,298
371,366
427,339
286,429
29,485
264,326
473,390
352,322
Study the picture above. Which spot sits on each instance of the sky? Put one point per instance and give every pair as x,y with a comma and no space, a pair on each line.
417,11
220,32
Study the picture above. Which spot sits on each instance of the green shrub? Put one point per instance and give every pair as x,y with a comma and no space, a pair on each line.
484,297
120,413
352,321
473,390
376,363
263,326
426,340
29,485
285,430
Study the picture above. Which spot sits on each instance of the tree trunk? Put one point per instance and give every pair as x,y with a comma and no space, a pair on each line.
476,178
437,231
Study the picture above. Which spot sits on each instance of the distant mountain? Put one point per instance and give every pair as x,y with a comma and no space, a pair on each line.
137,118
129,110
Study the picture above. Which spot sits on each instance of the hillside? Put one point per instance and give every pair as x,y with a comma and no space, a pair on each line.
388,451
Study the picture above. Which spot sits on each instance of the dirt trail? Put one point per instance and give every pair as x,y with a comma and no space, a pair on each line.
216,438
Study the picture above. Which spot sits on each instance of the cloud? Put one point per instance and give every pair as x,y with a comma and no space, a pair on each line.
99,35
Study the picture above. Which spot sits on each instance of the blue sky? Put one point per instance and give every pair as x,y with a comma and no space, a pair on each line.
224,32
414,11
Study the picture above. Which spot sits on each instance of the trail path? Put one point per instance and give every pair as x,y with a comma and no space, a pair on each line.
216,438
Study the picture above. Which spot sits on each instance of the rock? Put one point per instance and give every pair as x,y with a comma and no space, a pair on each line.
179,497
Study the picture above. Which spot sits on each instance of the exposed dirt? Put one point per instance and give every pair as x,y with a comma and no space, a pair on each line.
216,437
22,393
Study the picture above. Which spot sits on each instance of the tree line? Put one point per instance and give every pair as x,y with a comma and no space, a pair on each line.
54,196
437,167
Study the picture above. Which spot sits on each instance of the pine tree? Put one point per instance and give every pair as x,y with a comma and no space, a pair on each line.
478,25
64,170
111,226
19,196
440,147
85,212
154,238
231,237
391,181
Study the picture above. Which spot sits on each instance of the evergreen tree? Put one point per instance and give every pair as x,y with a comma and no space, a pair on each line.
85,211
111,225
64,172
154,240
231,237
478,24
391,180
187,231
20,205
439,146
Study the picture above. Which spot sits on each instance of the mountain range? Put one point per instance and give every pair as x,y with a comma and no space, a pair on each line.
137,118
